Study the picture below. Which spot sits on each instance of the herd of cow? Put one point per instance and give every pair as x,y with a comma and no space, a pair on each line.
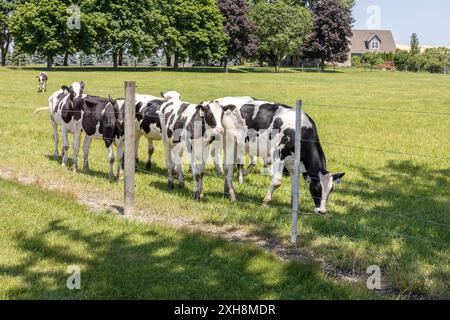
232,127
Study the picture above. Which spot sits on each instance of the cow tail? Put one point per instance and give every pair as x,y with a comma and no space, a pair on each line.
37,111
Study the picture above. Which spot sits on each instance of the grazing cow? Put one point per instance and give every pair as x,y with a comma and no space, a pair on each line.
42,81
192,129
62,113
103,119
267,129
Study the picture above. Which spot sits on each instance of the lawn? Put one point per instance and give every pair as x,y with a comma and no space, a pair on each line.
392,209
43,233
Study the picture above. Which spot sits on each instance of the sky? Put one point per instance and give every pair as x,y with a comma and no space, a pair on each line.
430,19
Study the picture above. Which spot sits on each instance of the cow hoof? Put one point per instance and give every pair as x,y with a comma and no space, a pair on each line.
171,185
86,171
56,156
74,169
148,166
265,206
181,184
111,177
197,196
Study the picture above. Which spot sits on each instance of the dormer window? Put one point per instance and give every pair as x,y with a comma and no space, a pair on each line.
375,44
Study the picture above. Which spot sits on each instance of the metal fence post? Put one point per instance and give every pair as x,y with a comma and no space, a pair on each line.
296,177
130,146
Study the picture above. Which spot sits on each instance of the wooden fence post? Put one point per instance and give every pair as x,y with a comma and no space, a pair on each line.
296,177
130,146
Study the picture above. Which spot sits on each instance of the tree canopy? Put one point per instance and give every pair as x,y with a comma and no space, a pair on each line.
281,28
332,30
243,41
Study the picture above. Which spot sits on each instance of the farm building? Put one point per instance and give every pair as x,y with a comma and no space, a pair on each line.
364,41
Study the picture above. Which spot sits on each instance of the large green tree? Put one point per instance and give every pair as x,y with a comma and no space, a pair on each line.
41,26
281,28
6,10
123,25
192,28
332,31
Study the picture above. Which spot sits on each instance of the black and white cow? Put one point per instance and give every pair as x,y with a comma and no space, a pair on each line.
267,129
99,118
63,114
191,129
42,81
103,119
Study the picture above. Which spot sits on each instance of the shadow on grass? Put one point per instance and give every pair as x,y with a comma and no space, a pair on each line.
92,173
403,224
157,266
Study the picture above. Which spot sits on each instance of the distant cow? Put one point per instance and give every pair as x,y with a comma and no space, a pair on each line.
42,81
189,128
267,129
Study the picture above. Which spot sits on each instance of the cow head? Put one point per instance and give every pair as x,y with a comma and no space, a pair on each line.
171,95
119,110
321,185
212,114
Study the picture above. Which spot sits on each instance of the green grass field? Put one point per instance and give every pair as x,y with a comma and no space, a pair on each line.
392,210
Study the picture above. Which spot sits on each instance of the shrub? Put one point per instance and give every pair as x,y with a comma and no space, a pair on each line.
356,61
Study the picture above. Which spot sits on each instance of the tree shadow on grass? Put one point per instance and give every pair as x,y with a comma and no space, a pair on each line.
142,263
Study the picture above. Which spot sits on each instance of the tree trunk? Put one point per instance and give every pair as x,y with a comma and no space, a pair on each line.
168,59
322,65
66,58
120,57
175,63
49,62
115,59
3,56
225,64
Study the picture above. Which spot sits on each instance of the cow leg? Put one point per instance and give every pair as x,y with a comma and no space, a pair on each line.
65,136
151,150
76,150
120,158
110,152
217,158
197,172
86,147
138,139
278,167
55,139
267,171
252,165
176,156
170,168
229,189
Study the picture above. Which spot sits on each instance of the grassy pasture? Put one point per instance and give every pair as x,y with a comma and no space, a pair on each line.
392,210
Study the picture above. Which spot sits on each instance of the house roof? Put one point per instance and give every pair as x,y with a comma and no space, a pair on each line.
361,38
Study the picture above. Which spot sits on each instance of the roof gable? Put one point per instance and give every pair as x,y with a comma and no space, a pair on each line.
361,39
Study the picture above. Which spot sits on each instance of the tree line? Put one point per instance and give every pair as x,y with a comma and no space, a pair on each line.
196,30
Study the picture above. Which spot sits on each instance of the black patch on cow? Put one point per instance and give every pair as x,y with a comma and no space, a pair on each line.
190,128
150,115
277,124
247,111
183,108
178,129
139,115
229,107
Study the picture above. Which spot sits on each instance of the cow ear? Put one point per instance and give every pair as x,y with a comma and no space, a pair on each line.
66,89
338,177
201,110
